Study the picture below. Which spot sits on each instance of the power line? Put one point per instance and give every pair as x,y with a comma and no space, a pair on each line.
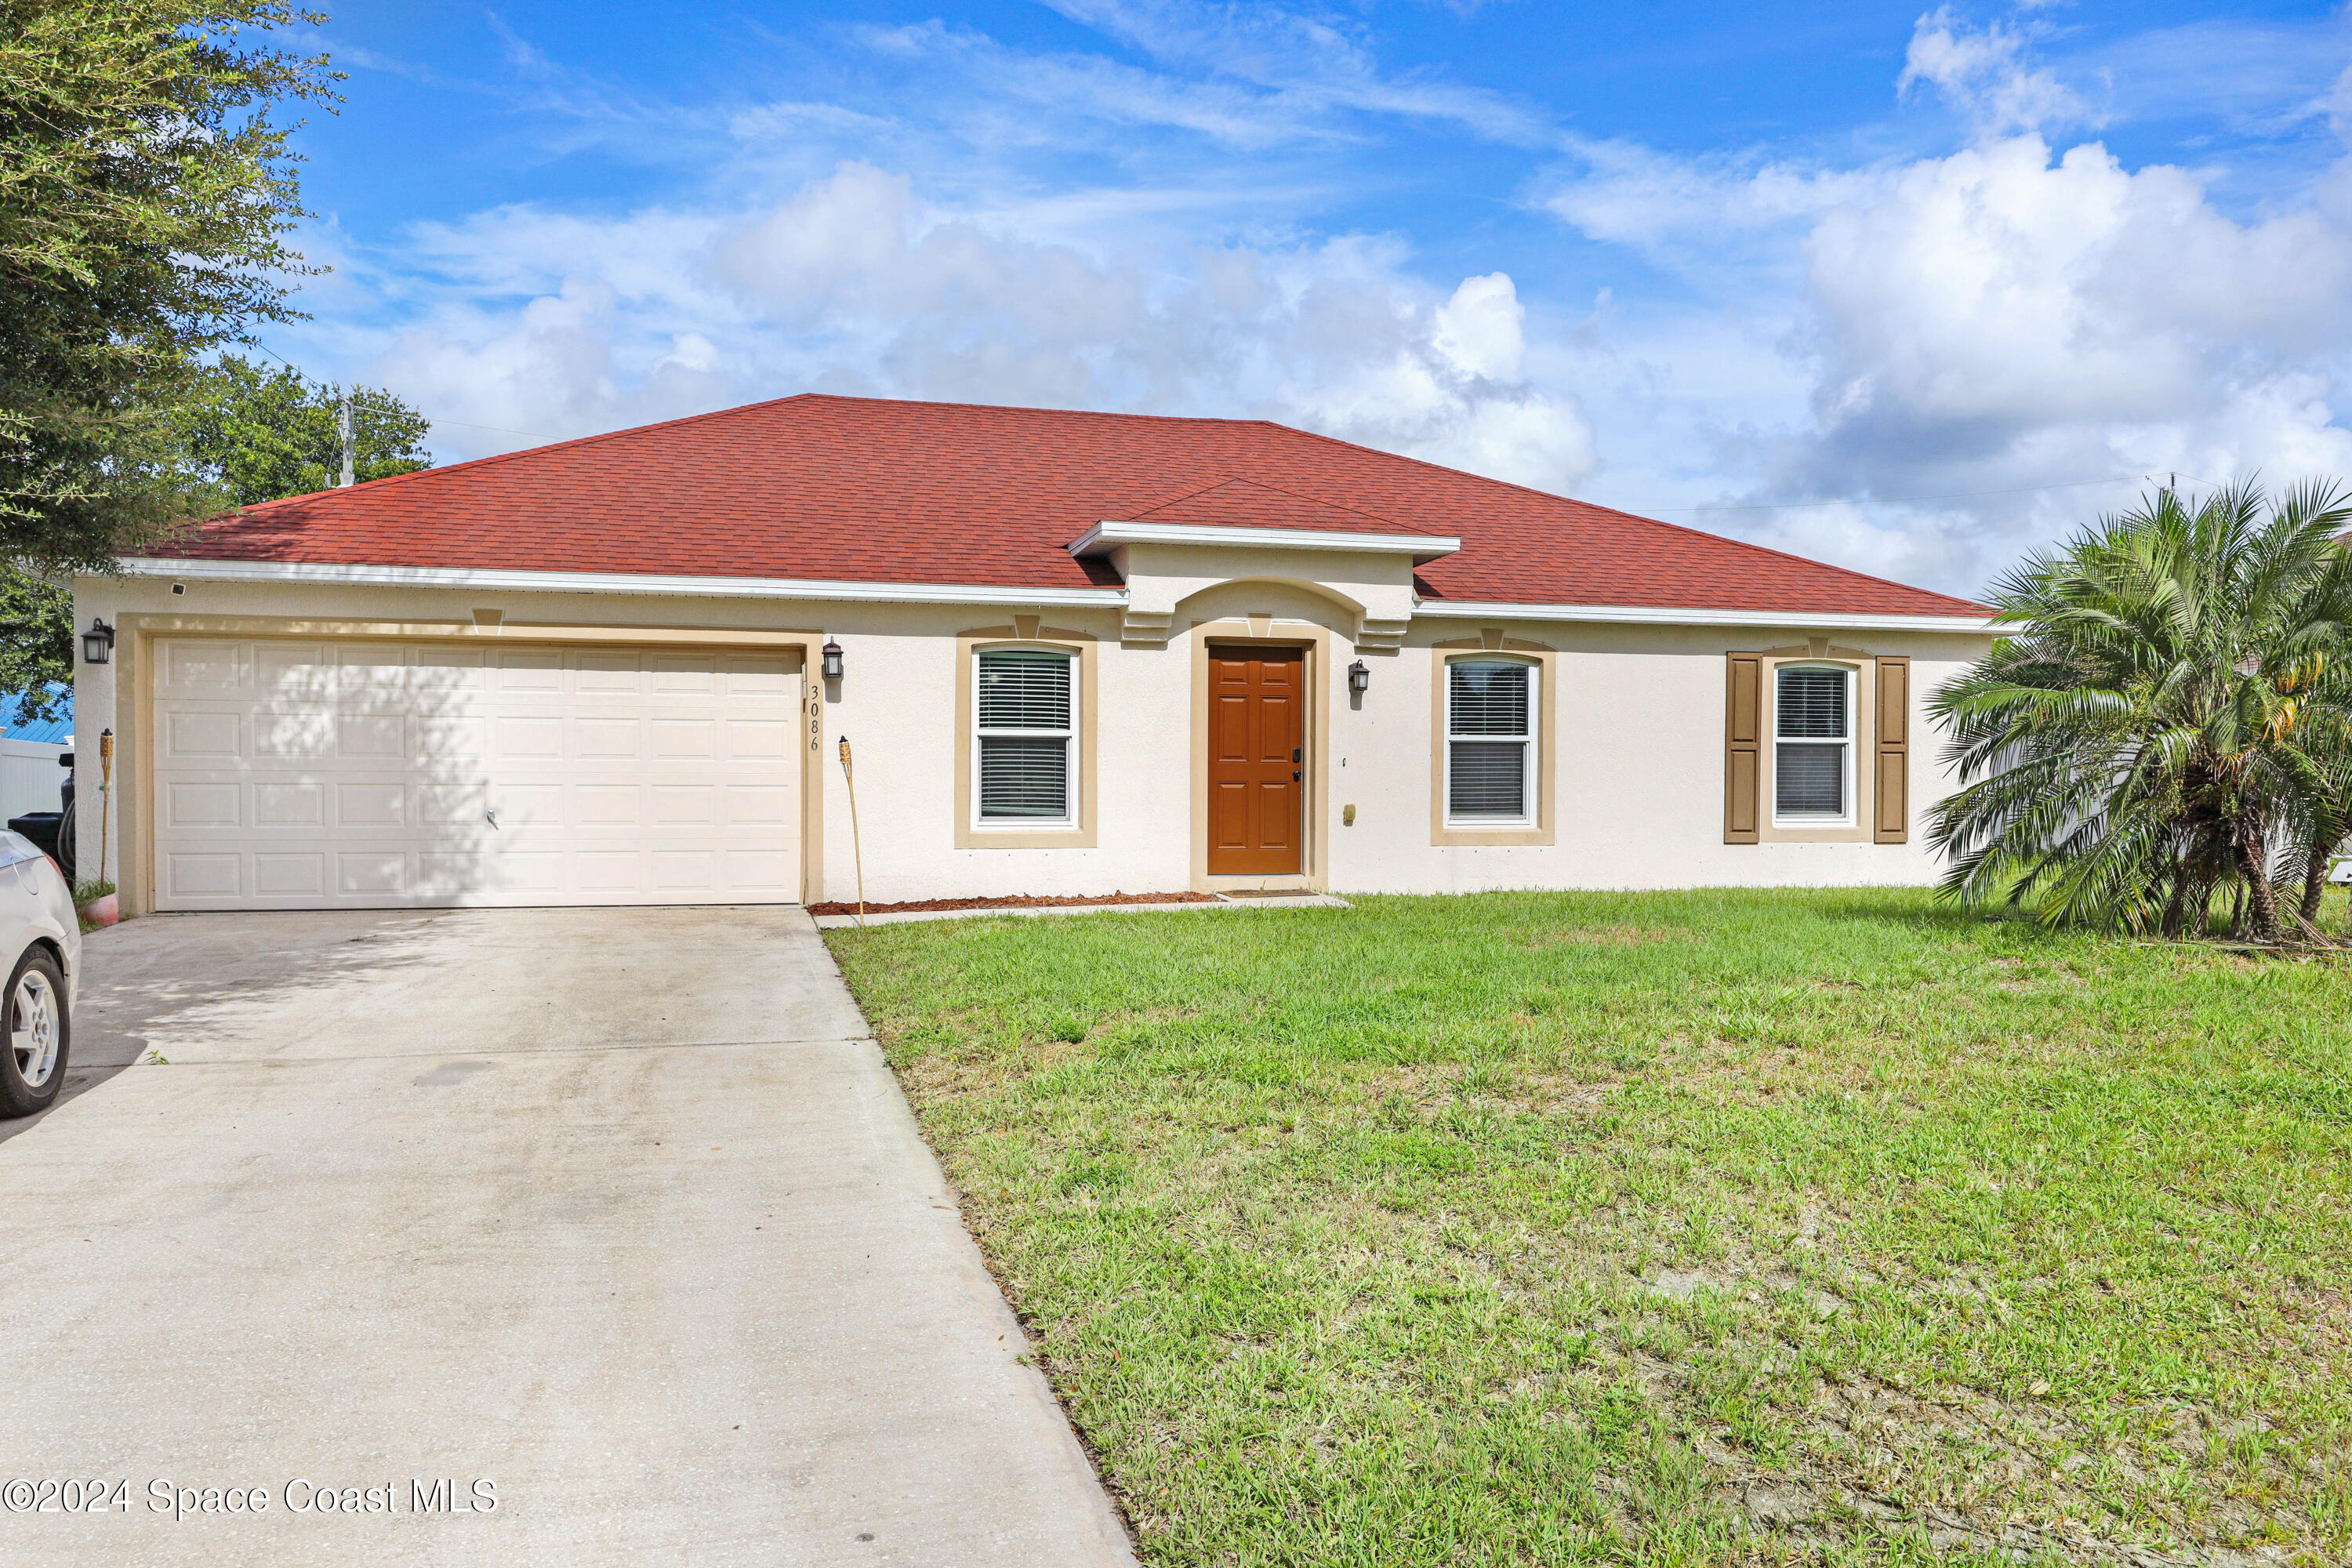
1761,506
500,429
281,359
1919,500
462,425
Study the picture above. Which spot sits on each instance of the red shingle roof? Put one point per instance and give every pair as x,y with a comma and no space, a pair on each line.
1239,503
860,490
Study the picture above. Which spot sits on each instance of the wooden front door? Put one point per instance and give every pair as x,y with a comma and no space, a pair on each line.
1257,759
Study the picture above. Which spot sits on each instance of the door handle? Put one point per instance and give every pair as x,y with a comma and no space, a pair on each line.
1294,775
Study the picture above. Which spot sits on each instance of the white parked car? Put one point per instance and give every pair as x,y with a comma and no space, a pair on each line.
40,940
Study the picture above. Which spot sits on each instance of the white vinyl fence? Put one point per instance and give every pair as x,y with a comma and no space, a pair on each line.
29,778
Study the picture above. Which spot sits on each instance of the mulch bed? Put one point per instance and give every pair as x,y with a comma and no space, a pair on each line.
1018,901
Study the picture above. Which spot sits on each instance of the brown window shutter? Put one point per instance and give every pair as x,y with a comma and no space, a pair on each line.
1891,792
1743,746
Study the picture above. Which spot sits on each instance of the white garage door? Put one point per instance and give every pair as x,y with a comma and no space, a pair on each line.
363,774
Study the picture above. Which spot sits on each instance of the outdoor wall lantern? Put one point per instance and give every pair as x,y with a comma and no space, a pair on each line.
98,643
831,665
1359,677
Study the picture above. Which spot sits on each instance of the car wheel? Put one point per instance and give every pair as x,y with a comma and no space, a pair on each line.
38,1036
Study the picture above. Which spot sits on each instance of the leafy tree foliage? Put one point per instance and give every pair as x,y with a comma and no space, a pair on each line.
2172,720
146,198
245,435
260,434
36,645
250,436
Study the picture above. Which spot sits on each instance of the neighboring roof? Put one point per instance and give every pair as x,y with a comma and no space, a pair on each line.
51,732
863,490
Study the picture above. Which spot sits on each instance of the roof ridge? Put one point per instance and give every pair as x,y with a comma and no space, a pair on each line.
1180,500
1268,485
1320,501
1017,408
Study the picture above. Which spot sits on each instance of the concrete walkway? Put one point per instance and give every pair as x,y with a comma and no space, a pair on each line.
614,1216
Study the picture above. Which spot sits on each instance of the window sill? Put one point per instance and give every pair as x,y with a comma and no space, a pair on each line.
1046,835
1777,833
1500,834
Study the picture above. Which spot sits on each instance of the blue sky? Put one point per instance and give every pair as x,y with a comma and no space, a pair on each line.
1908,291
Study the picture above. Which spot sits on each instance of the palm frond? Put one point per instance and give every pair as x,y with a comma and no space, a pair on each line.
2174,683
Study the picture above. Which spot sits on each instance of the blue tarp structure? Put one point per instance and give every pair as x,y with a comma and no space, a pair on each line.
53,733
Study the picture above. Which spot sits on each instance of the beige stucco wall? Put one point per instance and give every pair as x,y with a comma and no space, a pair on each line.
1639,750
1639,710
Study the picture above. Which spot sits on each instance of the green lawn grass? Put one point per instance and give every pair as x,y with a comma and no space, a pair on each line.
1685,1228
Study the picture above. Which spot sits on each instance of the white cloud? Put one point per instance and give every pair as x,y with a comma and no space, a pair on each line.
1480,330
1704,218
1989,313
856,283
1310,59
1087,87
1985,75
1994,325
2001,310
785,120
1440,383
552,369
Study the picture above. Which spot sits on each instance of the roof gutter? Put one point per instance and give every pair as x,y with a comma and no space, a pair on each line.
640,583
1646,615
493,579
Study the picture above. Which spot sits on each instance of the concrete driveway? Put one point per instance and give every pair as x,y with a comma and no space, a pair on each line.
613,1217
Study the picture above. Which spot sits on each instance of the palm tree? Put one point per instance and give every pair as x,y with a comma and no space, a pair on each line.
2170,716
2322,691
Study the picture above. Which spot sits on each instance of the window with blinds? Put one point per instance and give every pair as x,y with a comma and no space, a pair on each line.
1812,743
1490,741
1026,711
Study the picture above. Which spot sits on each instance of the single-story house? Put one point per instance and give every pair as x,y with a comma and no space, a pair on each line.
1072,653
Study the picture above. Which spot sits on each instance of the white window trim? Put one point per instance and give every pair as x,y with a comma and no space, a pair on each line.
1800,820
1530,785
1069,738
